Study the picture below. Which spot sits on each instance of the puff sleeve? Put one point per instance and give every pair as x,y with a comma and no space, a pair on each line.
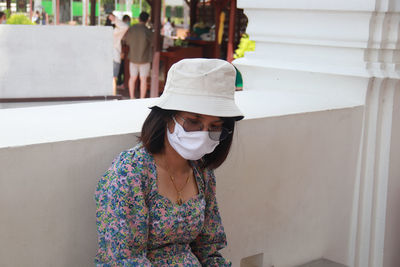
122,215
212,237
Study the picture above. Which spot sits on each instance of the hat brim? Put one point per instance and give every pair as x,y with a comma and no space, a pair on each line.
207,105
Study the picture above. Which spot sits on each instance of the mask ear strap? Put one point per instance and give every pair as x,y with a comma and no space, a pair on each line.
173,118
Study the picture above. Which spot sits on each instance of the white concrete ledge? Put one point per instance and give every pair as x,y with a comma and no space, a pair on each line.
36,125
366,5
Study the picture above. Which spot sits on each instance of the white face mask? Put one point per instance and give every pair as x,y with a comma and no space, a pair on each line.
191,145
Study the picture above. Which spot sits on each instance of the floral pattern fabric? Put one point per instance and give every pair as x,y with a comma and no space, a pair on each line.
139,227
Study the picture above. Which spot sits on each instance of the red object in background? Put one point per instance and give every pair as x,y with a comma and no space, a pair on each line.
156,8
125,51
174,54
57,12
231,33
30,10
92,12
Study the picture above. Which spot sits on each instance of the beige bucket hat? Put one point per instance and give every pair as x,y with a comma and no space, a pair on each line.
200,85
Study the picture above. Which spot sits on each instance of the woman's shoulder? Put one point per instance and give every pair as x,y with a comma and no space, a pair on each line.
132,160
137,153
128,171
126,175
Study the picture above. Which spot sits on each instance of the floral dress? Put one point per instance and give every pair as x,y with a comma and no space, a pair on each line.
139,227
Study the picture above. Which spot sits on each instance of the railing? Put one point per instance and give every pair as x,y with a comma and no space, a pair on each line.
59,99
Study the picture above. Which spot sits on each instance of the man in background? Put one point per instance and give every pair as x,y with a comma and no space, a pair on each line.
139,40
45,17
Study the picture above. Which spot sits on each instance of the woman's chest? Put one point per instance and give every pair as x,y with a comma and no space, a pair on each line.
172,223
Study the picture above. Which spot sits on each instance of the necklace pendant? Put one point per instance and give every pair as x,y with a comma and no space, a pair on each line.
179,201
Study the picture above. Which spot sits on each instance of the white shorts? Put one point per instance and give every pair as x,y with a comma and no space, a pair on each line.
142,69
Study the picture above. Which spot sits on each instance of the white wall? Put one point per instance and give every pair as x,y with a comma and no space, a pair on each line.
286,188
342,50
49,61
47,200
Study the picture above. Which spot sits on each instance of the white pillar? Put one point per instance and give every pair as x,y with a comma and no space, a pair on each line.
84,12
37,5
186,15
129,7
343,50
98,17
54,4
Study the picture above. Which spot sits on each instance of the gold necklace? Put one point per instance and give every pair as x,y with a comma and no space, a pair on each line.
179,199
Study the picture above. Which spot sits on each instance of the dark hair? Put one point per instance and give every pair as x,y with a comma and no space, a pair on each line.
2,14
109,22
153,134
126,18
144,16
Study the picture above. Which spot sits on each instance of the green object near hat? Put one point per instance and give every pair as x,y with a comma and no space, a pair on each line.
239,80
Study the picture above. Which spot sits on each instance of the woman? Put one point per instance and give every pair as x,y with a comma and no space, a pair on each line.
156,204
36,17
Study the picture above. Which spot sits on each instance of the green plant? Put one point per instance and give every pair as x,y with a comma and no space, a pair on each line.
245,45
19,19
177,21
181,42
8,13
134,21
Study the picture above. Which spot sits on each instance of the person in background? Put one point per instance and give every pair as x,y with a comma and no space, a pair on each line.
120,29
167,28
36,17
139,40
3,18
173,29
108,21
167,33
156,204
45,18
124,52
127,20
